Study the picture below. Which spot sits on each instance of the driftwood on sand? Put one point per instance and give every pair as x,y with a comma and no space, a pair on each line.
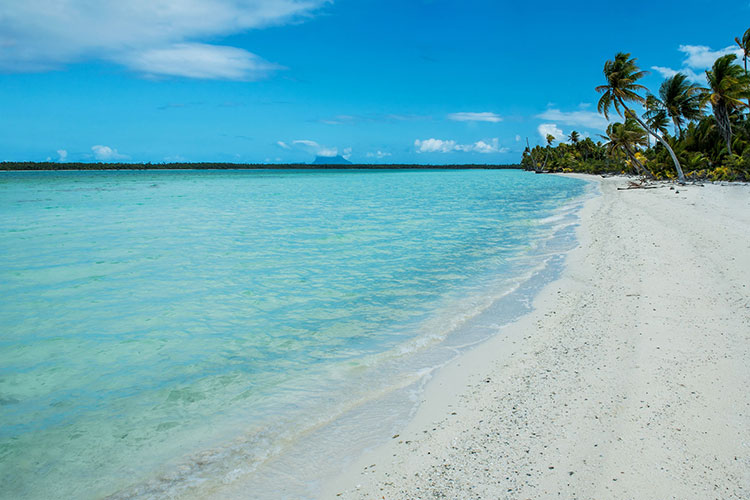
642,184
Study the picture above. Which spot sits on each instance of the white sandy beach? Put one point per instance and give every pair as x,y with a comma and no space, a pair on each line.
629,380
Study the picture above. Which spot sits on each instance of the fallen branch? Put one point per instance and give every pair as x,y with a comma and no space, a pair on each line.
638,185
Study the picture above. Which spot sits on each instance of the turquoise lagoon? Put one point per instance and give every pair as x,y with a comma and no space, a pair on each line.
176,333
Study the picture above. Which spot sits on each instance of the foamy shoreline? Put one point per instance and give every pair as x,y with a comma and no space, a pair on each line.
628,380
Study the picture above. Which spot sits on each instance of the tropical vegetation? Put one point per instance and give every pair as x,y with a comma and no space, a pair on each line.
684,131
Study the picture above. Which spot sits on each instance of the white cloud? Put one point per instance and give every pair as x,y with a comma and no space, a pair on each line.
475,117
447,146
378,154
62,155
151,36
698,58
546,129
669,72
518,138
581,118
306,143
316,148
328,152
702,57
483,147
198,60
434,146
283,145
105,153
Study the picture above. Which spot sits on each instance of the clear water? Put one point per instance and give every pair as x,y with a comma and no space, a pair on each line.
167,333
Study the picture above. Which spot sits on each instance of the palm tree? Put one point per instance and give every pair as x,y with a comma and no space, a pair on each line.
531,154
655,116
680,99
587,148
627,137
574,137
744,44
622,73
727,85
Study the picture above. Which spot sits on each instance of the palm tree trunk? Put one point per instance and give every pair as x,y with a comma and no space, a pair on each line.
725,126
533,160
680,175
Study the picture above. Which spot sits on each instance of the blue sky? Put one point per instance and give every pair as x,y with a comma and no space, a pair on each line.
421,81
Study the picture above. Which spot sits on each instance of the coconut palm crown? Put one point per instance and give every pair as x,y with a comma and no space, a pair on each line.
621,73
656,117
727,86
681,100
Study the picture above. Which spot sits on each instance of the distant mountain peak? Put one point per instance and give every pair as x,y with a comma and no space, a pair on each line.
331,160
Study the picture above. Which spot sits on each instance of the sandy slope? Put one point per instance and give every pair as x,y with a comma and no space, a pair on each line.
631,379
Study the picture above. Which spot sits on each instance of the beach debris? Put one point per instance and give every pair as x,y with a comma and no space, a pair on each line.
642,184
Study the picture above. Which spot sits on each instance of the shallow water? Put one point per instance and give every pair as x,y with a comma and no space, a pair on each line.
162,331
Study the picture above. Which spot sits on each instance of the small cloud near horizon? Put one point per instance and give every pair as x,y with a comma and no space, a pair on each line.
546,129
105,153
315,148
378,154
306,142
448,146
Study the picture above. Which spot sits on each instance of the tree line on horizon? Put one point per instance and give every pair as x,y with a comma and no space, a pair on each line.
685,131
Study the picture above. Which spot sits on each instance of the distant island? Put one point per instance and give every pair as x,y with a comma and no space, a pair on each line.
242,166
331,160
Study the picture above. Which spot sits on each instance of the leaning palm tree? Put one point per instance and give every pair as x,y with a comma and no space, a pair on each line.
681,100
727,85
626,137
622,73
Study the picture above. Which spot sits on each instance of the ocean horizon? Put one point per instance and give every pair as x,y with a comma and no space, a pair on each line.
171,333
